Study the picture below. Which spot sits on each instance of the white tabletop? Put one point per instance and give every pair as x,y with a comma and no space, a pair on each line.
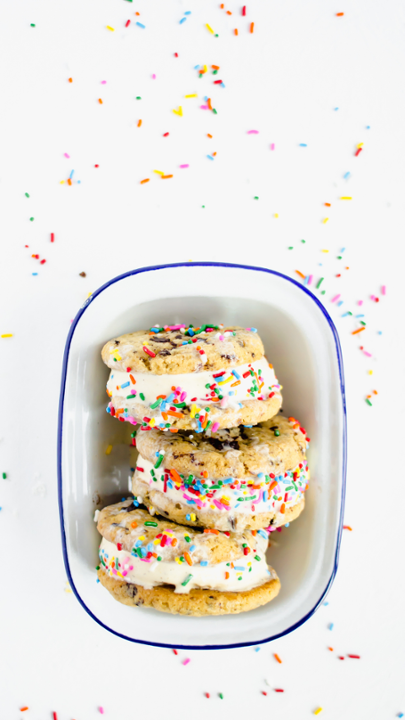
314,85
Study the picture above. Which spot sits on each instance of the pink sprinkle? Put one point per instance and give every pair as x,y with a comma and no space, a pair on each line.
153,76
383,290
253,132
101,710
272,146
66,155
367,353
183,396
310,279
215,427
104,82
204,107
186,661
372,297
335,298
184,166
360,302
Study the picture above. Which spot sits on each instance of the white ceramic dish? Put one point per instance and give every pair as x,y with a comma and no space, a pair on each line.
302,343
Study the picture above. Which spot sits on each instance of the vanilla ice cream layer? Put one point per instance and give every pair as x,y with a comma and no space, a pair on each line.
260,494
242,574
163,395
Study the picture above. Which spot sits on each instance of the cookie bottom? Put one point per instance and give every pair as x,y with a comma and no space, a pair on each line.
178,512
252,412
196,603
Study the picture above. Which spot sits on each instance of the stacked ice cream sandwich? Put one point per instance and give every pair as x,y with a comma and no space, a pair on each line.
219,468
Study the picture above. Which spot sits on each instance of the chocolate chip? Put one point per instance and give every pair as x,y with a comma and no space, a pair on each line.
132,590
223,444
82,274
164,352
129,508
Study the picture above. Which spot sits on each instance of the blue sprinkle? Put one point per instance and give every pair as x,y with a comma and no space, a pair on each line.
97,578
257,649
222,84
204,563
150,547
339,303
140,25
228,481
286,525
345,314
248,425
169,399
235,374
346,175
368,128
143,552
342,250
196,67
192,548
210,157
359,315
262,533
326,603
183,20
35,273
336,109
331,626
188,517
253,329
379,332
188,12
400,715
71,175
260,475
125,385
231,392
239,568
265,496
108,410
303,145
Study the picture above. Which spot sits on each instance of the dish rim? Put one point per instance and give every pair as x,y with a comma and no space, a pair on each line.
75,321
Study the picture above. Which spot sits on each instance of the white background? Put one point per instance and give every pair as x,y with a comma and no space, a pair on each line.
284,80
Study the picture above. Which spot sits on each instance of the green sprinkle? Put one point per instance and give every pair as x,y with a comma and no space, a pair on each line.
182,558
33,25
302,241
319,283
208,425
142,396
187,580
214,111
133,434
159,557
180,405
215,72
339,257
207,386
138,552
291,247
156,403
26,195
207,409
257,557
221,696
159,462
323,292
203,206
256,197
240,577
98,567
4,476
244,545
277,432
368,402
138,97
362,323
150,523
129,397
31,219
187,538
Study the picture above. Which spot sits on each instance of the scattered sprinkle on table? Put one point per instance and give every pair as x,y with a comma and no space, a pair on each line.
278,658
318,710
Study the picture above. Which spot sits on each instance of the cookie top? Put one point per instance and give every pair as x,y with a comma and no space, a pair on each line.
274,446
176,349
131,528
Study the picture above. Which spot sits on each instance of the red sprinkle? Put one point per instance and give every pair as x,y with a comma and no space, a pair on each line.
175,652
263,692
176,55
149,352
165,134
207,695
119,546
97,166
357,657
55,716
42,262
358,151
244,10
52,237
128,22
278,690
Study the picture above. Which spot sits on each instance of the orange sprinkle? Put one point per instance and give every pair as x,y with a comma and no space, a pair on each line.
215,67
214,154
347,527
139,123
208,135
254,532
327,204
228,12
252,25
134,524
100,101
174,414
358,330
70,80
222,6
175,475
119,411
132,379
273,485
278,658
204,473
226,575
23,709
300,274
282,509
213,532
165,177
137,13
375,392
164,416
339,14
174,542
69,182
144,181
161,396
331,649
236,31
174,429
188,558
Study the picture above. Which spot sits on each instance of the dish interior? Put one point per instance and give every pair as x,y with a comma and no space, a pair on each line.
300,343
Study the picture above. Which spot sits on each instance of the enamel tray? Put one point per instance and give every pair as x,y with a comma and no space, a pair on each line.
301,342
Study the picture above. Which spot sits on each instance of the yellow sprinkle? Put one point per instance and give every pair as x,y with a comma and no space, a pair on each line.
190,96
110,28
156,542
141,537
6,335
360,145
178,561
158,172
225,499
223,382
325,220
193,411
370,372
108,449
346,198
318,710
152,422
205,68
192,517
324,250
179,111
276,215
210,29
62,182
